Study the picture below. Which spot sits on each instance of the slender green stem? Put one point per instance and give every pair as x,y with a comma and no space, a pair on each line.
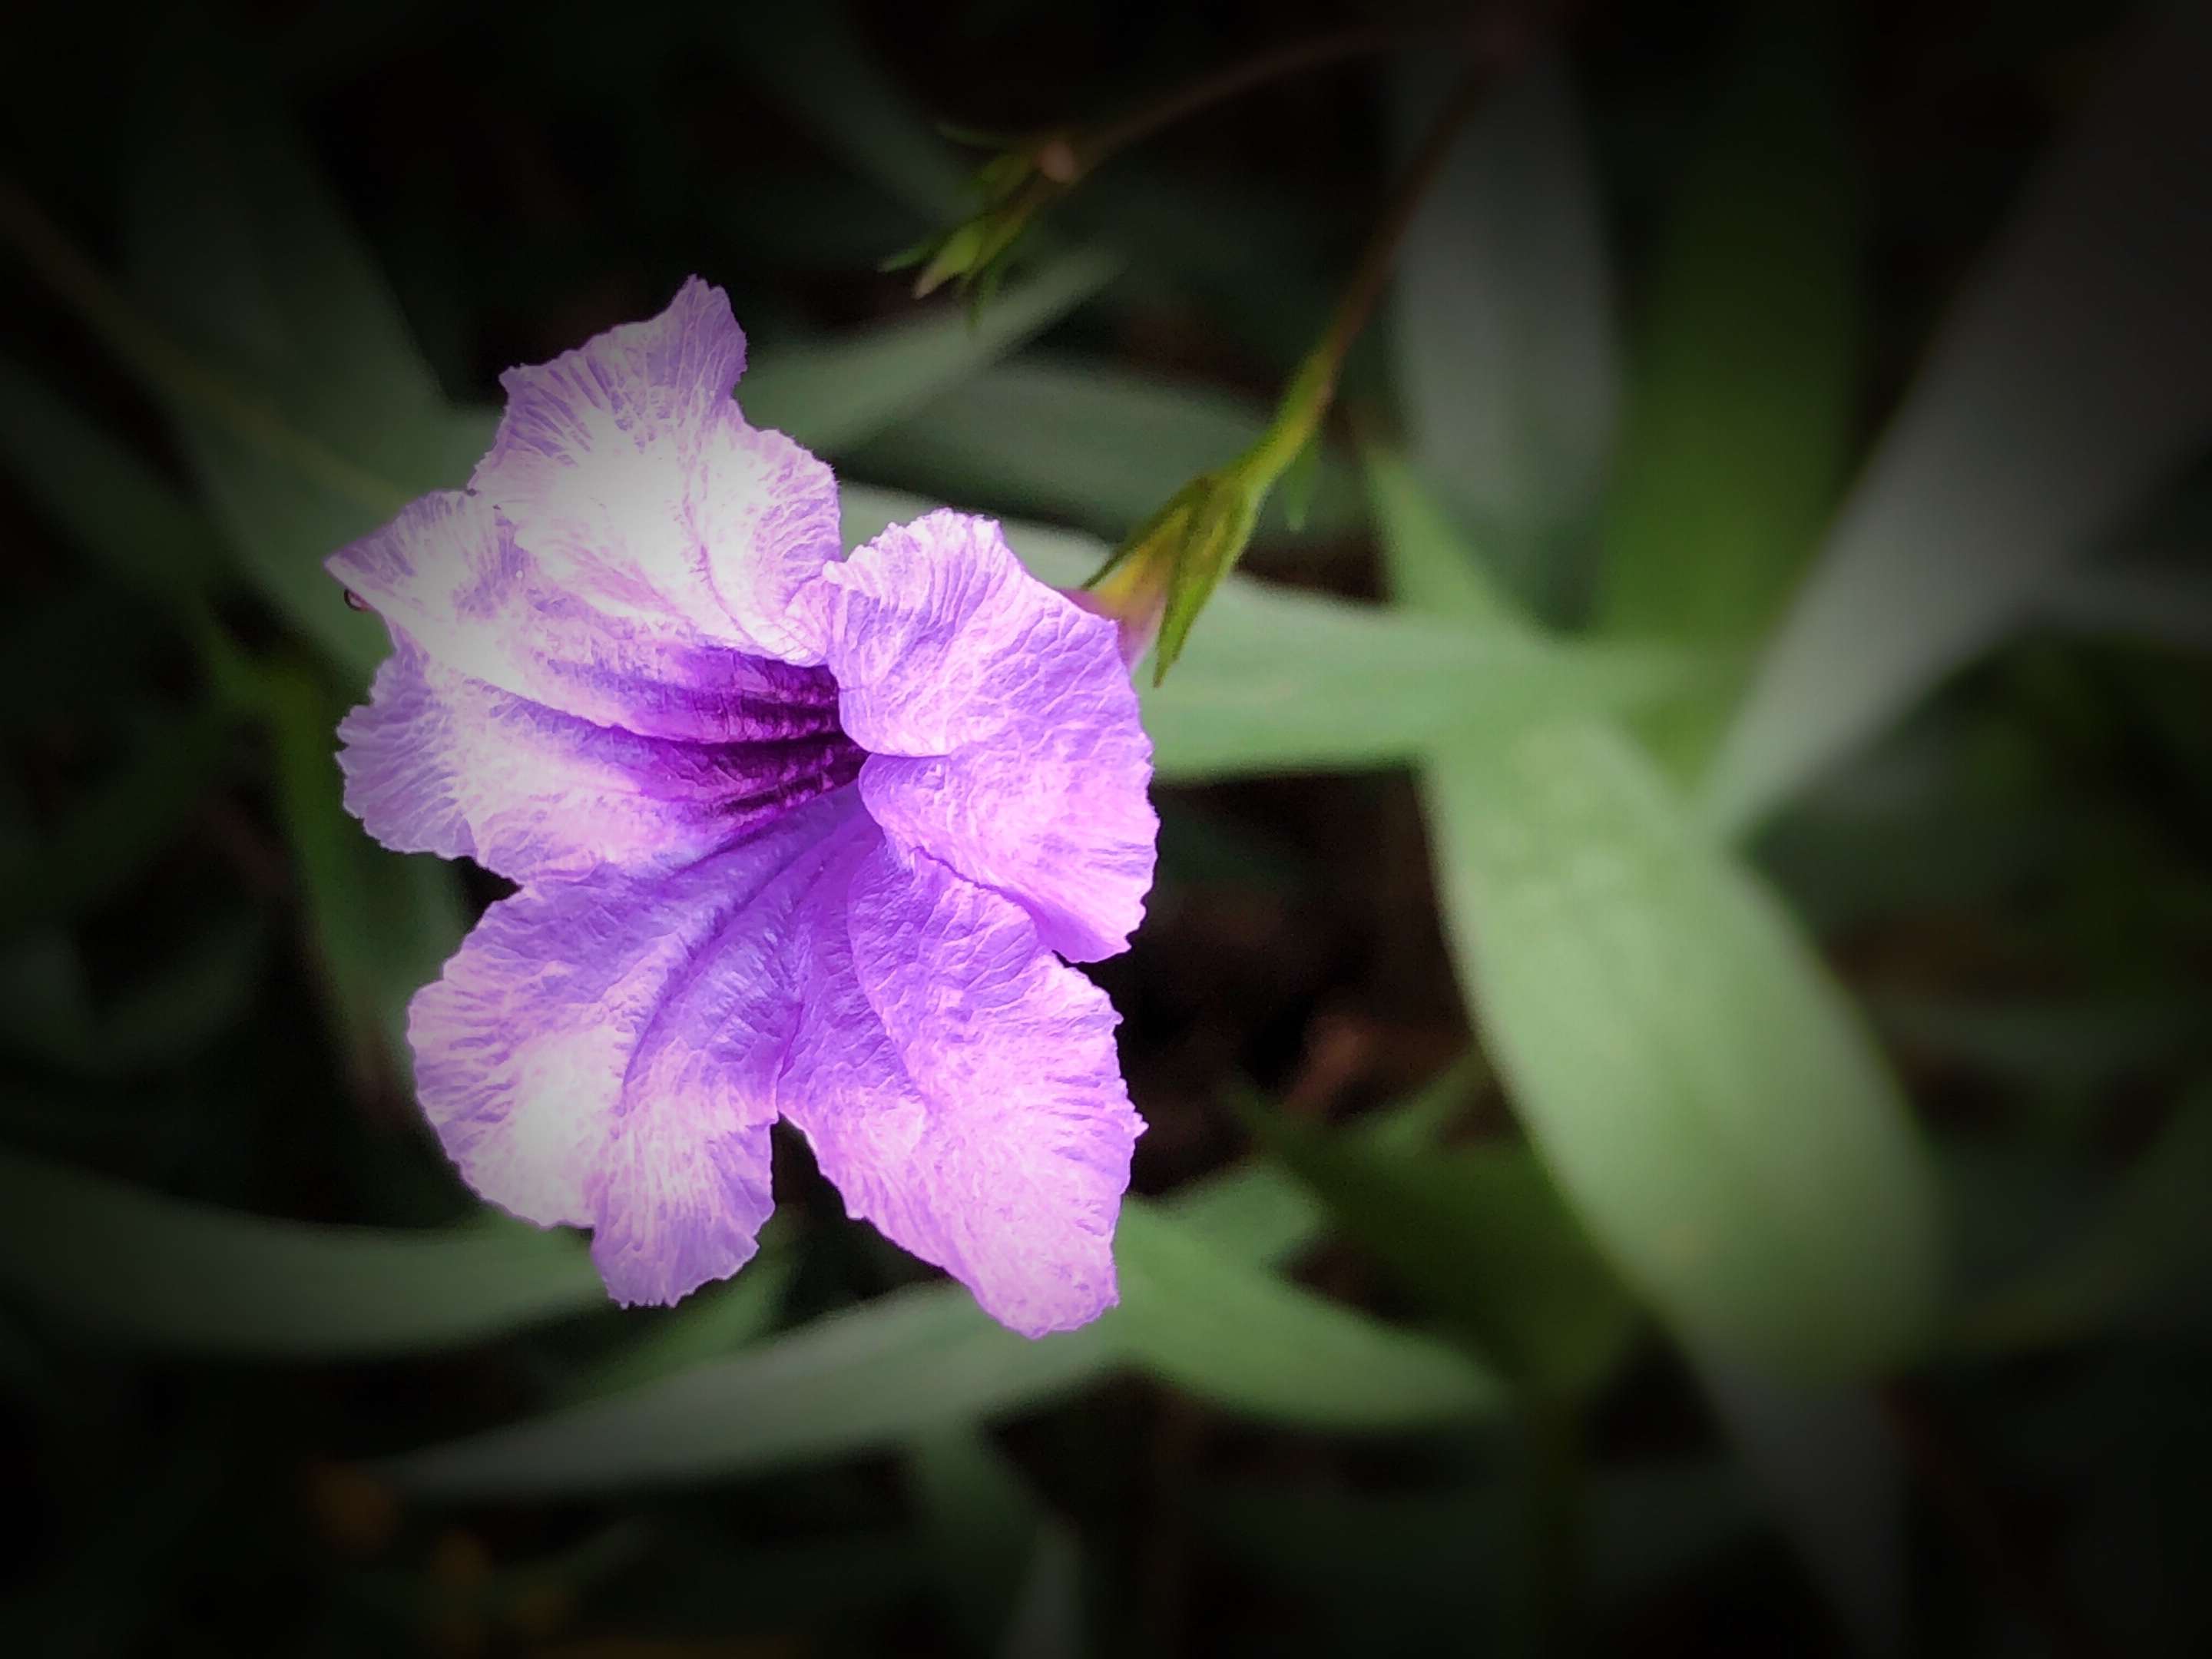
1373,273
1160,578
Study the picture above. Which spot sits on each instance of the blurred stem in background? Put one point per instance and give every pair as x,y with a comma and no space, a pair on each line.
1160,578
1029,174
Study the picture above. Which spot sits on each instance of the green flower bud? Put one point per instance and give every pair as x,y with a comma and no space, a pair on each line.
1161,577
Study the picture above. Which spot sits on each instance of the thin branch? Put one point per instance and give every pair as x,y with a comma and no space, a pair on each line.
1373,273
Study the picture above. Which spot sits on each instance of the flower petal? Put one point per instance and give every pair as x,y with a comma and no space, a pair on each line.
628,472
440,762
959,1085
1001,724
603,1051
447,572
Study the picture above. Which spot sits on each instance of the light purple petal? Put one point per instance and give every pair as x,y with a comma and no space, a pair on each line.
959,1085
603,1051
448,573
630,672
438,762
629,473
1002,728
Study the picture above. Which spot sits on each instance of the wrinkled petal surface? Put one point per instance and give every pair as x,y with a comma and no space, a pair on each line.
440,762
448,573
627,472
604,1052
1000,723
959,1085
795,837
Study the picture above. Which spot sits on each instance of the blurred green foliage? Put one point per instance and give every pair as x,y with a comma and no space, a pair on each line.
1673,1038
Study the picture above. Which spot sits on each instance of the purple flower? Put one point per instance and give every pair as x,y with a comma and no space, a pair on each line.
794,837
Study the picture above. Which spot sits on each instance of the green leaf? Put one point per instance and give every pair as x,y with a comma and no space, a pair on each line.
1481,1237
1283,682
1738,419
1098,445
860,1381
1693,1077
836,394
108,839
382,923
712,1320
168,1273
2074,375
1278,681
2151,1239
240,250
1431,567
1255,1214
1254,1344
875,1377
132,524
1502,334
1698,1087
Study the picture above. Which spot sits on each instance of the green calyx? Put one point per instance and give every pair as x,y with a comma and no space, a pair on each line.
1172,563
974,254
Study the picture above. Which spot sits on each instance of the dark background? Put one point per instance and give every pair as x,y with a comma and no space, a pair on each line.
528,175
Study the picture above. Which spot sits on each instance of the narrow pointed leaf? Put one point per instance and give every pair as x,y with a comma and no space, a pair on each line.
1256,1213
861,1381
714,1320
1734,440
1699,1088
1433,569
876,1376
1716,1111
1256,1345
1502,335
2075,374
839,393
165,1273
1481,1237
